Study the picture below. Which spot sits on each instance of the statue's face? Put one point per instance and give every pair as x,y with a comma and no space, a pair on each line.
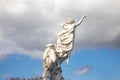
66,27
69,21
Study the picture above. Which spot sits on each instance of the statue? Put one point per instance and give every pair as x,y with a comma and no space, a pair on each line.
55,54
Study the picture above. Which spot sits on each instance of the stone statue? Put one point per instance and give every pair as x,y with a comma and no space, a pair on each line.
55,54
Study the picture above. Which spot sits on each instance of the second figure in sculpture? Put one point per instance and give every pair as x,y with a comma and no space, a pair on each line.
55,54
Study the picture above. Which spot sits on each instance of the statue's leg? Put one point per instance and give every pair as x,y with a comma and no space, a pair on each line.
57,74
47,74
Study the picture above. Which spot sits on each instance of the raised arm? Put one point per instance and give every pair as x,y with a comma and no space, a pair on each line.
80,21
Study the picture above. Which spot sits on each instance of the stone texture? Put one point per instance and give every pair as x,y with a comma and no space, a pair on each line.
55,54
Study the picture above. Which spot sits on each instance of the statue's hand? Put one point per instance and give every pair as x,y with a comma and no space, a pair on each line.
80,21
84,16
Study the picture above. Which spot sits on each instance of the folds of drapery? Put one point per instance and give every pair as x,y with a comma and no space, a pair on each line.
65,40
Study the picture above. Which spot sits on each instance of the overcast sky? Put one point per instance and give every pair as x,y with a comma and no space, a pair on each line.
26,26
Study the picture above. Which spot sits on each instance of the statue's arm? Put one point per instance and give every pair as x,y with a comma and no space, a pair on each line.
45,53
80,21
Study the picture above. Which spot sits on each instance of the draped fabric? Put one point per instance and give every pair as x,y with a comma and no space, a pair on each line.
65,40
54,55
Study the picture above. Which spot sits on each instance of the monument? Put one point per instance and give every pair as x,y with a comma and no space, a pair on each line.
55,54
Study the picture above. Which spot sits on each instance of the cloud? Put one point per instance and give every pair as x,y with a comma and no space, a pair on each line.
83,70
7,76
14,7
26,26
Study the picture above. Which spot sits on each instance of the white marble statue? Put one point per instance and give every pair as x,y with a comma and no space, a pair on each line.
65,39
54,55
49,57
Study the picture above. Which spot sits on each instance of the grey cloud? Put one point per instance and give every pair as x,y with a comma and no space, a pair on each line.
83,70
102,20
26,31
36,23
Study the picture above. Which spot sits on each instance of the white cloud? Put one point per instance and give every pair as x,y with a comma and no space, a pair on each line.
10,47
26,26
14,7
1,34
7,76
83,70
113,34
36,54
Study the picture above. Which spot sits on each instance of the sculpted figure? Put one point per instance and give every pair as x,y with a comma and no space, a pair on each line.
54,55
49,57
65,39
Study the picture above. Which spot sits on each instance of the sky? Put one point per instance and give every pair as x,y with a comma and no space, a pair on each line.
26,26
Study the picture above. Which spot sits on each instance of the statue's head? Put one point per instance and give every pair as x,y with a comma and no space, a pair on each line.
69,21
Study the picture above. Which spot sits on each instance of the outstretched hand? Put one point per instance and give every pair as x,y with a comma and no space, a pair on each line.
84,16
80,21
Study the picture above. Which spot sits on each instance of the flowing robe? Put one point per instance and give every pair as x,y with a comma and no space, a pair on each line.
53,57
65,40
